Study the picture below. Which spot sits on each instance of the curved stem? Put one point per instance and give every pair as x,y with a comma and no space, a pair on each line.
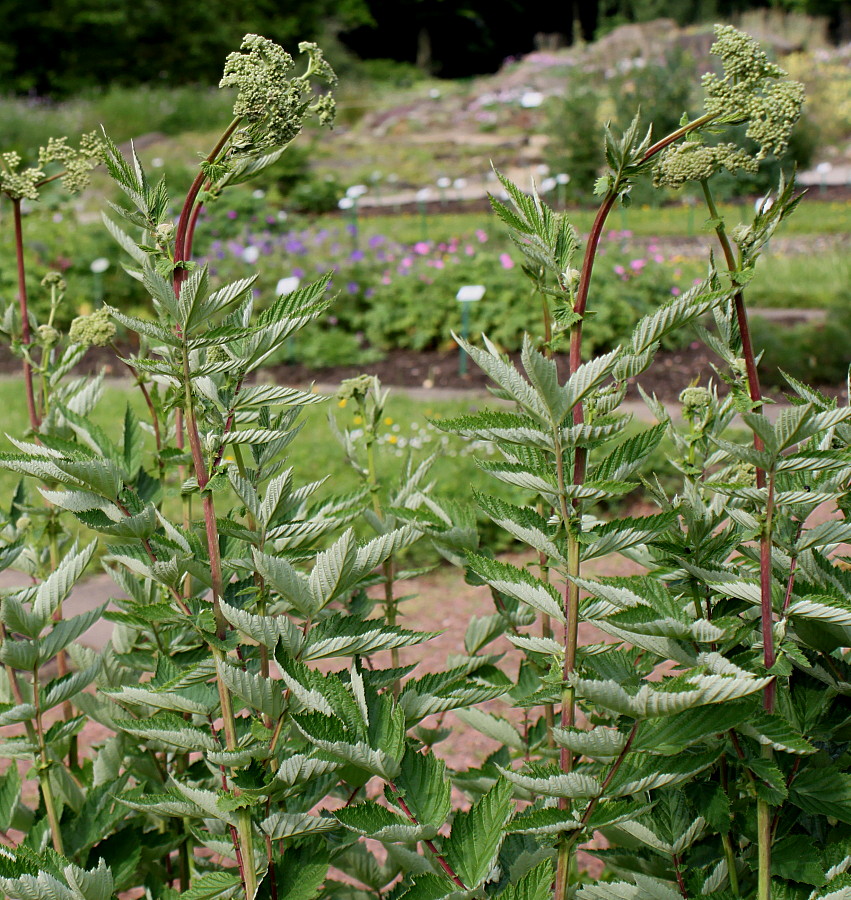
441,861
181,253
26,338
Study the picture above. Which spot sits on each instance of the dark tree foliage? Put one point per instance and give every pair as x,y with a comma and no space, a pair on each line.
56,47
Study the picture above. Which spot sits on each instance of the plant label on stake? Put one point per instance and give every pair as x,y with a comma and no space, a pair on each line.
98,267
287,286
467,294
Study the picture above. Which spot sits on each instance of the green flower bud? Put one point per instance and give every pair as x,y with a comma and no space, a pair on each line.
357,387
695,401
48,335
164,232
94,330
695,161
54,279
271,102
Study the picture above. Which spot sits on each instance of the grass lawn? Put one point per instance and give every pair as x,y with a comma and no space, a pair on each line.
315,454
811,217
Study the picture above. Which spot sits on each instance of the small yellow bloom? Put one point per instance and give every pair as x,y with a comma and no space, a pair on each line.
358,420
342,403
388,421
392,439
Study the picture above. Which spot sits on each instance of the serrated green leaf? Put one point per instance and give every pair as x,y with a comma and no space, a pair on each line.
477,834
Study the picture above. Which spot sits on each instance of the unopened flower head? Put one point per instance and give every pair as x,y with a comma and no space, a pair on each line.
18,184
77,161
48,335
54,280
269,99
753,89
164,232
695,401
94,330
696,161
357,387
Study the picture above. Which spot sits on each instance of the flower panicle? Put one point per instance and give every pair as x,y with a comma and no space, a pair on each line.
273,103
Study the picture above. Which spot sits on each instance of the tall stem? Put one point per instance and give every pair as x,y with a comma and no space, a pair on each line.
44,771
387,566
244,829
181,253
754,389
26,338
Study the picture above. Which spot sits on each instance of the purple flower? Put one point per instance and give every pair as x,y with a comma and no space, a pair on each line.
369,292
376,241
352,229
298,273
352,287
232,213
356,256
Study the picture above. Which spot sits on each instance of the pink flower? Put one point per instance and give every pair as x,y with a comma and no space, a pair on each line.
438,264
637,264
659,258
620,270
506,261
470,250
482,236
421,247
676,291
386,279
406,262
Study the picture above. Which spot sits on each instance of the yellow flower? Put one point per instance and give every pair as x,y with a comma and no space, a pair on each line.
358,420
342,403
388,421
392,439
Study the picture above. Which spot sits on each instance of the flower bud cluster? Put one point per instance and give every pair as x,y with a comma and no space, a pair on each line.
54,280
78,162
357,387
270,101
48,335
753,89
695,401
18,184
94,330
696,161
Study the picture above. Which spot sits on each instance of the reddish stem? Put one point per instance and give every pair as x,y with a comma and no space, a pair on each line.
440,860
181,250
193,222
26,338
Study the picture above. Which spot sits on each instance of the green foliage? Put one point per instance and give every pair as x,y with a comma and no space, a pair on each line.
262,723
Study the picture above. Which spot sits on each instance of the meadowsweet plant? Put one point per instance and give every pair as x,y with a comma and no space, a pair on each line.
247,713
697,726
265,732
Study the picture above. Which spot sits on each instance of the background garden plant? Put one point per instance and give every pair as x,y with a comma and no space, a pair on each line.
266,729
